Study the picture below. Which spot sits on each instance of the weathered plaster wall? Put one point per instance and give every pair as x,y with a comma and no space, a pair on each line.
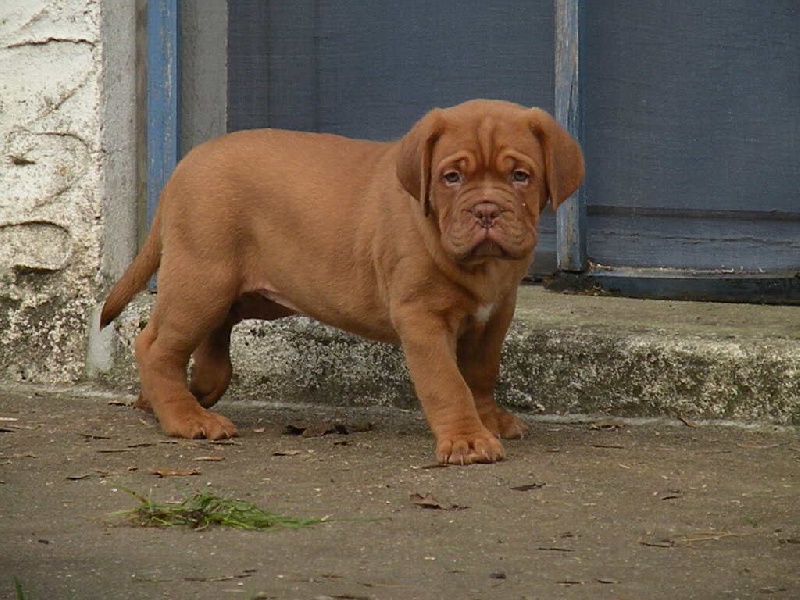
66,176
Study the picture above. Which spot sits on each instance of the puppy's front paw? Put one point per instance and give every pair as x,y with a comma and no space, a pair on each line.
143,403
195,422
464,449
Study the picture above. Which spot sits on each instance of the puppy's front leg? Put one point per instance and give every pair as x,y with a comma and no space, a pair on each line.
430,350
479,361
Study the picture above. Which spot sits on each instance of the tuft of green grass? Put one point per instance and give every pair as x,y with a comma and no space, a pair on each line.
204,510
19,592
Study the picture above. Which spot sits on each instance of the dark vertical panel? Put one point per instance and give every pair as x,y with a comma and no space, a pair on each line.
248,64
293,59
272,64
383,65
692,107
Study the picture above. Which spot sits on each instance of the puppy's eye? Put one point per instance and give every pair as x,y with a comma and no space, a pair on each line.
452,177
520,176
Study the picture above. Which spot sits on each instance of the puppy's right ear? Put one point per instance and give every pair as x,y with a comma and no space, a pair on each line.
414,157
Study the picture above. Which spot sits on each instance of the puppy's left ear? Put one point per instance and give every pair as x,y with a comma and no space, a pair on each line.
413,166
562,154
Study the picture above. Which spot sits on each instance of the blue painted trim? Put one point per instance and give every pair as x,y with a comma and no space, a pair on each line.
571,216
163,87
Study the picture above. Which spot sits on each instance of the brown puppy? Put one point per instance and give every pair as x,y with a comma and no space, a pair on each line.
420,243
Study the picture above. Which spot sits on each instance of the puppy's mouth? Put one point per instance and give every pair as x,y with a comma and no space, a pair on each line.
504,238
488,247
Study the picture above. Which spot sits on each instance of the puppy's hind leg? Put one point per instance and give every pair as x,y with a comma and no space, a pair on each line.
183,317
212,369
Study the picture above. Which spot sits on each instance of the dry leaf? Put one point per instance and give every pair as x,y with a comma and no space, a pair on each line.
659,543
428,501
606,425
294,428
360,426
758,446
320,428
672,495
528,487
93,436
242,575
287,452
790,540
173,472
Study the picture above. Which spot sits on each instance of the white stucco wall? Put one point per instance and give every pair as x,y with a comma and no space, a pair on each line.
67,173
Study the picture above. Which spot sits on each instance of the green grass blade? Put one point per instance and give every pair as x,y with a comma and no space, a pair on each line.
204,510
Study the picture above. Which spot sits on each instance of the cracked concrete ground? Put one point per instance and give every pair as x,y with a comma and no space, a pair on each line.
597,509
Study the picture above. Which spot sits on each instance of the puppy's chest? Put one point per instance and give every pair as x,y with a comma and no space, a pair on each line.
475,321
484,312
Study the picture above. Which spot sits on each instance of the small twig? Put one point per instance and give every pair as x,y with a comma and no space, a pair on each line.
714,536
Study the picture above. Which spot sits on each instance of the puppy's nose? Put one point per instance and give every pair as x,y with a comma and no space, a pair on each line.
486,213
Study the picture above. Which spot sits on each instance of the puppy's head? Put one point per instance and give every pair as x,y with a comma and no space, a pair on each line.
484,171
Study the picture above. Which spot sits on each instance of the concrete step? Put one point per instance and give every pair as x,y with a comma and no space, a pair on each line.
565,354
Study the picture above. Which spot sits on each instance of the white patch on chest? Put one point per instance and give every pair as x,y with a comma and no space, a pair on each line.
483,313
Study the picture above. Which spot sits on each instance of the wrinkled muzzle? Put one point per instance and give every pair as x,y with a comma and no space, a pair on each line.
487,226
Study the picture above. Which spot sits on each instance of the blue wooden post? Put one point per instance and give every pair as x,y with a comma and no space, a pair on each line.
163,86
571,217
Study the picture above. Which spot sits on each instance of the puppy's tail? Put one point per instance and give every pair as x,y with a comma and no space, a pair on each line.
136,275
